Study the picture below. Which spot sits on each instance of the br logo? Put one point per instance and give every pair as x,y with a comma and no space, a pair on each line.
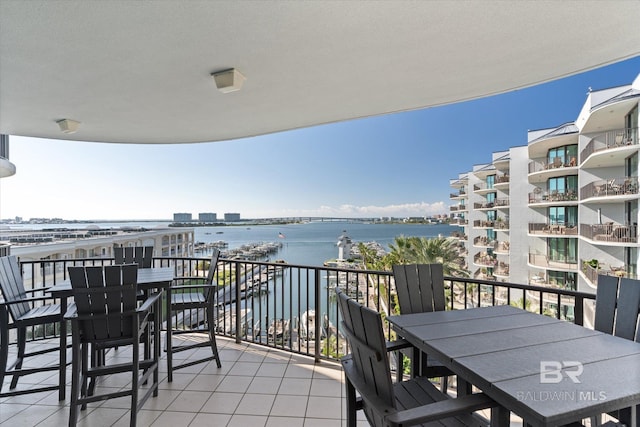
551,371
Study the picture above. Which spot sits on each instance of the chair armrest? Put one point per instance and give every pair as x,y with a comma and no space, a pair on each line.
72,312
398,344
30,299
148,303
443,409
187,287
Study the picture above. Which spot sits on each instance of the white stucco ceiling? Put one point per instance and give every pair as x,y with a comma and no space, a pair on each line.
139,71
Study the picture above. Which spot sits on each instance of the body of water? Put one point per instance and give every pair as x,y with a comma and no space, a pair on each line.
314,243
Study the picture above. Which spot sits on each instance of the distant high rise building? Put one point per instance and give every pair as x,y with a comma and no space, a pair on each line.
182,217
231,217
207,217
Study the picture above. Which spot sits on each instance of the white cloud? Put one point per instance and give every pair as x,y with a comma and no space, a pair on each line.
352,211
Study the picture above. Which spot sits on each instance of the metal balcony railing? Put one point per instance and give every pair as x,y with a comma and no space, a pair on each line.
251,295
610,139
563,228
543,260
610,232
625,186
568,195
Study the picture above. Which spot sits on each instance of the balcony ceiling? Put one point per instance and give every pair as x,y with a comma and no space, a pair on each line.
139,71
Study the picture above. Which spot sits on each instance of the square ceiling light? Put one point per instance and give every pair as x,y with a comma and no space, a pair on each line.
228,80
68,125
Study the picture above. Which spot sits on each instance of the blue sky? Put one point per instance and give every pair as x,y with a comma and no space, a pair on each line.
393,165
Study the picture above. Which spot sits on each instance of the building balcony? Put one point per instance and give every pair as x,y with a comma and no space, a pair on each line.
541,170
484,242
502,248
458,208
546,198
610,232
484,260
483,188
555,230
459,236
483,224
483,274
501,271
610,190
610,148
458,196
544,261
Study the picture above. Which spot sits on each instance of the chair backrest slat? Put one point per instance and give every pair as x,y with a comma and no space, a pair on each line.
364,331
215,256
12,285
628,309
606,297
420,287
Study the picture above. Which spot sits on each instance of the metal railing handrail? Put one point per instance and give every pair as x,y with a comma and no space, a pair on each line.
273,290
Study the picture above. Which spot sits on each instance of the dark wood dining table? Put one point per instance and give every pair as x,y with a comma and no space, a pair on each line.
148,279
550,372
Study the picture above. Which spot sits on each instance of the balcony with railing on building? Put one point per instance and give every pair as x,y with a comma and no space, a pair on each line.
558,260
458,221
557,228
501,182
483,188
459,195
485,259
502,270
592,268
556,280
621,189
458,235
601,144
501,224
610,232
555,165
553,196
479,223
502,202
484,242
502,248
458,208
484,274
483,205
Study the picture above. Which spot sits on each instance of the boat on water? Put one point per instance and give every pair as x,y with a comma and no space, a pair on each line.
278,330
307,327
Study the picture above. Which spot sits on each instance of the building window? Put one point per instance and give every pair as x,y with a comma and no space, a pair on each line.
563,215
567,155
562,250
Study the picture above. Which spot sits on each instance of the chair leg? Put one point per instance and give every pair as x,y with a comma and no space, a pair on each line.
4,343
212,336
22,342
76,372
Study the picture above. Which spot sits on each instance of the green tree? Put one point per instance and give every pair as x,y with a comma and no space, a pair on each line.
420,250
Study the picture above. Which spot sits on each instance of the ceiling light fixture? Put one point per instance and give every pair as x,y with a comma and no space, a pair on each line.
228,80
68,125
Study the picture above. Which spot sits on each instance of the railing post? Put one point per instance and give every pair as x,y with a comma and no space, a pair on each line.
238,325
578,311
317,323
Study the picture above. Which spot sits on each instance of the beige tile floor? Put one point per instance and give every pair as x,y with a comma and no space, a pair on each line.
256,386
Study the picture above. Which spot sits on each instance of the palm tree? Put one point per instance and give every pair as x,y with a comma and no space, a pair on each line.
420,250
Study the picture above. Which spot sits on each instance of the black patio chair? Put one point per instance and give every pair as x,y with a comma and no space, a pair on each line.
189,298
420,289
617,313
385,403
141,255
106,315
22,309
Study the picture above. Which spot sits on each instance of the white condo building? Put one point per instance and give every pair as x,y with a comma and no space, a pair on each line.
562,209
